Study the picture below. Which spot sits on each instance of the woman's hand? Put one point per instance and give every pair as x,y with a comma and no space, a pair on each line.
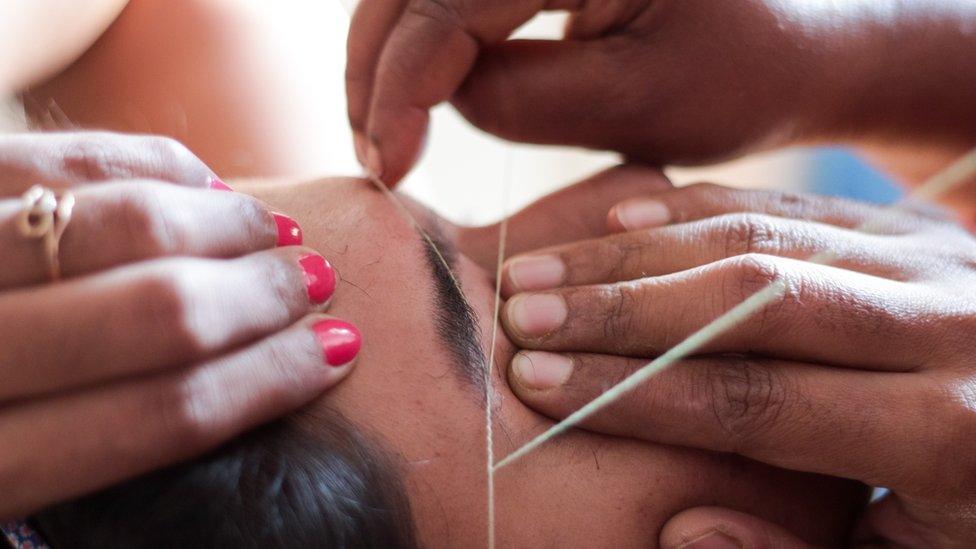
185,316
864,368
661,81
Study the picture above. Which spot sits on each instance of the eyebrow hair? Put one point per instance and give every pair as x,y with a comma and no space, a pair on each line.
454,319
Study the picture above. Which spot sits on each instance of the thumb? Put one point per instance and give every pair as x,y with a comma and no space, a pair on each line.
715,528
575,213
550,92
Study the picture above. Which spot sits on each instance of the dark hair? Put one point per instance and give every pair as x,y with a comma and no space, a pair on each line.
293,483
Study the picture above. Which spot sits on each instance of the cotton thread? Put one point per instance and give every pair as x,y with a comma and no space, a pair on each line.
956,174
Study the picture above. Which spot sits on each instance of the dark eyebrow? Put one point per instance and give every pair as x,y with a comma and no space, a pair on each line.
454,319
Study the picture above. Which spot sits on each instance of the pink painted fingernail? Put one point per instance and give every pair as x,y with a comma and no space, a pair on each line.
218,185
540,272
340,341
289,233
643,214
536,315
320,277
541,371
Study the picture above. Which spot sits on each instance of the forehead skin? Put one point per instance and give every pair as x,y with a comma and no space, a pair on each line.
582,490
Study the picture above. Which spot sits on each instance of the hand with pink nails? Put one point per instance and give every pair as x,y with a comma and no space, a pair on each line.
182,314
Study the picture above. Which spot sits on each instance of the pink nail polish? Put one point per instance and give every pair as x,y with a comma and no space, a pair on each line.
320,278
218,185
289,233
340,341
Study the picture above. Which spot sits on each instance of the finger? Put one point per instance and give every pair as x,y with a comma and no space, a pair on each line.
674,248
151,316
705,200
704,527
539,91
368,30
122,430
66,159
792,415
123,222
823,314
425,59
569,215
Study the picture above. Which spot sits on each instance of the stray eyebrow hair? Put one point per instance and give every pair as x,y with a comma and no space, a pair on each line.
454,319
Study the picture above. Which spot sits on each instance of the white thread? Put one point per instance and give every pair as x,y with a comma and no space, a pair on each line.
489,390
956,174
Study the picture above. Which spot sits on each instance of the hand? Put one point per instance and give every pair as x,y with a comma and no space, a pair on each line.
178,323
660,81
862,370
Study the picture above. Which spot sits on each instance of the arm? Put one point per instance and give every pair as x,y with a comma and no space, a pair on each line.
41,37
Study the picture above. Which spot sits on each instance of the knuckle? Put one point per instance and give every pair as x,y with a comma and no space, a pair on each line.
752,273
169,153
142,215
168,302
258,223
167,159
93,158
622,312
188,408
748,233
745,398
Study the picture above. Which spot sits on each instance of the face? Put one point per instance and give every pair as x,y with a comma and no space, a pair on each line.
409,393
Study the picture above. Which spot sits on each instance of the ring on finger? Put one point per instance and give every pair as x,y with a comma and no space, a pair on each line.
44,216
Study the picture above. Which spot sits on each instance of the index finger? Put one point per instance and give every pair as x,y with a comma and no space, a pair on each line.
429,51
62,160
799,416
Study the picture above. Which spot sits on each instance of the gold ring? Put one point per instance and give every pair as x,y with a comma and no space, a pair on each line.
44,216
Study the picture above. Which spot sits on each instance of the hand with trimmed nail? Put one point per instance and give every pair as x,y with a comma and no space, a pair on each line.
864,368
661,81
182,316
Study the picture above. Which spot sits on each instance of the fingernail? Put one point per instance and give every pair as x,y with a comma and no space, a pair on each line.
374,162
320,277
541,371
359,143
537,315
289,233
540,272
340,341
218,185
712,540
641,214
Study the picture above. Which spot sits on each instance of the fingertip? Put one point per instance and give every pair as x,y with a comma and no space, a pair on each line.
716,527
613,221
540,371
395,143
640,213
340,342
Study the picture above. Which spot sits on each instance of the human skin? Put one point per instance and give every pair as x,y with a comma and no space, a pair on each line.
41,37
584,490
227,78
673,81
861,368
162,325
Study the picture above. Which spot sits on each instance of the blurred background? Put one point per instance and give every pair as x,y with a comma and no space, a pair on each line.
464,170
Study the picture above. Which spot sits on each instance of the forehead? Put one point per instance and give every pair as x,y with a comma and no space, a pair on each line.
404,390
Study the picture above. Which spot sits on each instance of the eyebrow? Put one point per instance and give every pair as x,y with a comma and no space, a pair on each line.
455,321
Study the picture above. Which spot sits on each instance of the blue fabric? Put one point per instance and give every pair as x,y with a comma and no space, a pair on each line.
20,535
